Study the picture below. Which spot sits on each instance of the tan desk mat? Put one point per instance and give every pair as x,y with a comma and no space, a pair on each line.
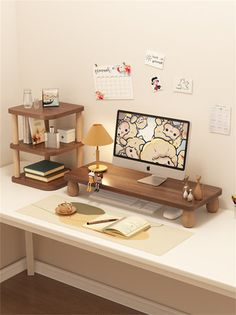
157,240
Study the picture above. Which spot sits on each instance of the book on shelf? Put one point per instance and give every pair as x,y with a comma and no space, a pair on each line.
118,226
48,178
37,130
44,167
26,131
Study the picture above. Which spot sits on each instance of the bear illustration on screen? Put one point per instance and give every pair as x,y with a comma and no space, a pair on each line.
168,131
159,151
134,147
129,127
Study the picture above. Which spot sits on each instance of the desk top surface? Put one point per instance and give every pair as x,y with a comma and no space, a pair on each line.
124,180
207,259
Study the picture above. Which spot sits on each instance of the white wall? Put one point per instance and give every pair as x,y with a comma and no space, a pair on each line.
9,75
59,42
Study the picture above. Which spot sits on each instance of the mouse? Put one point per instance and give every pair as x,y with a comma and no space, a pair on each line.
172,213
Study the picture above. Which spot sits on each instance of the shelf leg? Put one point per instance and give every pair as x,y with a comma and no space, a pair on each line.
47,125
15,140
188,218
16,163
79,134
29,249
15,130
213,205
79,157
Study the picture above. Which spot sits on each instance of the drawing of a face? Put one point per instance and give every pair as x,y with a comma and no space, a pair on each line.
134,146
164,160
141,122
171,131
131,152
123,129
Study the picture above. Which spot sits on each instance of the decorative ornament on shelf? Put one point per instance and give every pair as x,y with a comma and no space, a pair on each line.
91,181
186,187
185,180
98,181
190,195
197,192
185,194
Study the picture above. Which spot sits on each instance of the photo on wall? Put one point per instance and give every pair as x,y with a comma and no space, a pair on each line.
50,97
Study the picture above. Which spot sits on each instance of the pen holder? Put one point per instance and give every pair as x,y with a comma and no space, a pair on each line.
52,140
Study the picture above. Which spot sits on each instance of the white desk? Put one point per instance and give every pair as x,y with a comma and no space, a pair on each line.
207,259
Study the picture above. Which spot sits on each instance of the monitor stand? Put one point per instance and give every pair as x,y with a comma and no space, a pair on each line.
152,180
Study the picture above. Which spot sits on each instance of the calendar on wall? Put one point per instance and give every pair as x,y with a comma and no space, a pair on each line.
113,82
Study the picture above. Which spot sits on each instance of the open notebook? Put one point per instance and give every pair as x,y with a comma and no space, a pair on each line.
123,226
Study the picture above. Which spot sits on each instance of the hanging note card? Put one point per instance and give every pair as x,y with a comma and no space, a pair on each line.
113,82
154,59
220,119
183,85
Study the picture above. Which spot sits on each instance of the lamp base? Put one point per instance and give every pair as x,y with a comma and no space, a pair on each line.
101,168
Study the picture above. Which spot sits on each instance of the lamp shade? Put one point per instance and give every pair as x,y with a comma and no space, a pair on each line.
97,136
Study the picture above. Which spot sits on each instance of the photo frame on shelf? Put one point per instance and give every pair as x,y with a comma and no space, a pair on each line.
50,97
37,130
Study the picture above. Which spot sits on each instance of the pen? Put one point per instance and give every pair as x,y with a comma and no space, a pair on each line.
101,221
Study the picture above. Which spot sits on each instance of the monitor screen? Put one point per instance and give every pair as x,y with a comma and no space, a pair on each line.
155,140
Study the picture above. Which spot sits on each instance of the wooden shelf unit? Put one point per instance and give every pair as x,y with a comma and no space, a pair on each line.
46,114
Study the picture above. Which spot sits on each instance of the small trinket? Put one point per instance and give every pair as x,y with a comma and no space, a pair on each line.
90,181
98,181
185,194
190,195
65,208
197,192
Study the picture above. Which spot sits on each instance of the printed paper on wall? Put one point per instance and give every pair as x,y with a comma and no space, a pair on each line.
220,117
113,82
154,59
183,85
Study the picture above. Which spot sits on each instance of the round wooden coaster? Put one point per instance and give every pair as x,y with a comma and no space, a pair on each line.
65,209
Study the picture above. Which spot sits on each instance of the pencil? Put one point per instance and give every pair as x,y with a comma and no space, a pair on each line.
101,221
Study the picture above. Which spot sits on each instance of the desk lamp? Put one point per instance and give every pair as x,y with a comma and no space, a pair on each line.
97,136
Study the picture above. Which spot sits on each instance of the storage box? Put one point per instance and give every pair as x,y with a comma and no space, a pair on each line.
66,135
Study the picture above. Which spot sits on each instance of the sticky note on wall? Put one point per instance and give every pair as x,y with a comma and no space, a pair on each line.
220,118
154,59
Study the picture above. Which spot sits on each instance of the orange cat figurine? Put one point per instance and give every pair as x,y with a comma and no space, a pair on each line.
197,192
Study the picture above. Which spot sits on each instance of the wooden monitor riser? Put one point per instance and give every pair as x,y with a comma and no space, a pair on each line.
124,181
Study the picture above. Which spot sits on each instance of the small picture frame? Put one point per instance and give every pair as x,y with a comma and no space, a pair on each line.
50,97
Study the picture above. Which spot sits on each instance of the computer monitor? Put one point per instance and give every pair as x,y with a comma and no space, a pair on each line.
151,143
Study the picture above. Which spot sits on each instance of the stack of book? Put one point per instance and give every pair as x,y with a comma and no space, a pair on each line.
45,170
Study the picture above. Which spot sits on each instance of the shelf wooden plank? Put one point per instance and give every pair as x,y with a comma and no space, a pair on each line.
63,109
40,149
53,185
125,181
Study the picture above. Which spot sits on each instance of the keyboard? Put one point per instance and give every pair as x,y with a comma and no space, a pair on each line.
124,201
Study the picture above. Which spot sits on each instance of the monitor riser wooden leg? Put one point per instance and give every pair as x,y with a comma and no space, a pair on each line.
213,205
188,219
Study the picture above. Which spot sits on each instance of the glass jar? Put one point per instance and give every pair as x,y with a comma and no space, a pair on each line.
36,103
27,98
